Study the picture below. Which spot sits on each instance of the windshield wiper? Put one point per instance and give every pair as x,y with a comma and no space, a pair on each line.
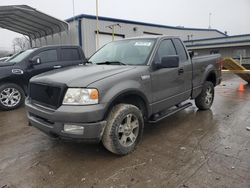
111,63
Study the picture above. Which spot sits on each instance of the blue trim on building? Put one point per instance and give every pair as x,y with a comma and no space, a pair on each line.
137,23
218,43
226,37
80,32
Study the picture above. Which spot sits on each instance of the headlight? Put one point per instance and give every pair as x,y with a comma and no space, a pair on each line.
80,96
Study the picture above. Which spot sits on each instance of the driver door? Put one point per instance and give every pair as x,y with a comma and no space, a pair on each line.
167,83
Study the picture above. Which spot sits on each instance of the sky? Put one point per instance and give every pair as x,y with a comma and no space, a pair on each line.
232,16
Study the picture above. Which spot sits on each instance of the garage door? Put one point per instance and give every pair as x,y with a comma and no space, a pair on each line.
106,38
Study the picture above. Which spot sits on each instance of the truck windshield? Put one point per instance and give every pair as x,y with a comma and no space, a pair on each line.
20,56
124,52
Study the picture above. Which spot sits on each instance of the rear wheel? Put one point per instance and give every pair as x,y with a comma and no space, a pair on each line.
11,96
123,130
205,100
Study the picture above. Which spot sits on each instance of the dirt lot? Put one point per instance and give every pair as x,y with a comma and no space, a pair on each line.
189,149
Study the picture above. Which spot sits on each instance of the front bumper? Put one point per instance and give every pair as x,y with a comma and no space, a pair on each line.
52,121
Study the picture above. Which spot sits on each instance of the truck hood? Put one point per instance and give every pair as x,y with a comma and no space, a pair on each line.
6,64
80,76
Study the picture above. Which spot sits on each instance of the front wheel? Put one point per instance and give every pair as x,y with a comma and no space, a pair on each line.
123,130
205,100
11,96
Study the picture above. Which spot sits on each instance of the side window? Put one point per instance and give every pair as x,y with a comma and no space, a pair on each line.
166,48
48,56
70,54
180,50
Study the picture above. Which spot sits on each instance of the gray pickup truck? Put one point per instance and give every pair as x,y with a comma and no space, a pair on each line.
123,85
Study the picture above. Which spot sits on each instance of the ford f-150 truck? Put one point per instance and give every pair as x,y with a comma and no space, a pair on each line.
16,72
124,84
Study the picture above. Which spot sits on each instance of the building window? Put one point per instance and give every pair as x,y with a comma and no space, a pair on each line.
240,53
214,51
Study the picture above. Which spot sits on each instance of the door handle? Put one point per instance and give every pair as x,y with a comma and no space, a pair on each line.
57,67
180,71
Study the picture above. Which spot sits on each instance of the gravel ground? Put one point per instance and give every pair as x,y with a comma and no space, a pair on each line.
189,149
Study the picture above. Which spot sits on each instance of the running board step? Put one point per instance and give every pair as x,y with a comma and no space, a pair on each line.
159,117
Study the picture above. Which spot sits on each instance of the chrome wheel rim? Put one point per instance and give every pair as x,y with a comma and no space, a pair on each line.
10,97
128,130
209,96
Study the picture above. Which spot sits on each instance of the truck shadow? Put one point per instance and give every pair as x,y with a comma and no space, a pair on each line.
176,125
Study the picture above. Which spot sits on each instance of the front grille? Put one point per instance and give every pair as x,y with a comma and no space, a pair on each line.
46,95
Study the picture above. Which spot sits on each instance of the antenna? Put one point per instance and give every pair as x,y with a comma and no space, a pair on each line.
73,3
97,25
210,15
73,24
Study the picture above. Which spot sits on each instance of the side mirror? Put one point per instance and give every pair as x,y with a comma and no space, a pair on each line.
191,54
169,62
35,60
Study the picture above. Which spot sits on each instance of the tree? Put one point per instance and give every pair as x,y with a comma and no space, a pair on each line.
4,53
20,44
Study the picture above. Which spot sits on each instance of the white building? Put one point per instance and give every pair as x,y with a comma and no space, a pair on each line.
42,29
237,47
83,32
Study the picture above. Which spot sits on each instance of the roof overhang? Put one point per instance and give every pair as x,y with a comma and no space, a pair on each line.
28,21
220,42
219,45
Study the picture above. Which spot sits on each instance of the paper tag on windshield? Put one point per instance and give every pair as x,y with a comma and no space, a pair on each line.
143,43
